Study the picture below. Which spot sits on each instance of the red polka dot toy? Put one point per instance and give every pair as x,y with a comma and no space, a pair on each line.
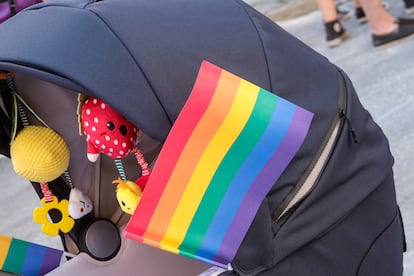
108,132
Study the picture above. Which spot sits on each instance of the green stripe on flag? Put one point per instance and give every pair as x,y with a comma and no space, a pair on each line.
251,133
16,256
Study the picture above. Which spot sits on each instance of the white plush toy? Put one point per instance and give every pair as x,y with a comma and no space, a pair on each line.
79,204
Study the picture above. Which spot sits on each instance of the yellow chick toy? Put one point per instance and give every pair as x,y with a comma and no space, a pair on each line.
128,194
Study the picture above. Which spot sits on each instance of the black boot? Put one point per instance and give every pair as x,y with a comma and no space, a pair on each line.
335,33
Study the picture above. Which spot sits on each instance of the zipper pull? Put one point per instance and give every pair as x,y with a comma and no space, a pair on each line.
352,130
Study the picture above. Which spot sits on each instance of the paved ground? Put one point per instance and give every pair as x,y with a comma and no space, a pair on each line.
283,9
382,77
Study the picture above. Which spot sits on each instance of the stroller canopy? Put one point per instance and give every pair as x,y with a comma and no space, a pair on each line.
142,57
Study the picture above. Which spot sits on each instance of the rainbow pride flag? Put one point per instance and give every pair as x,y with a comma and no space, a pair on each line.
228,146
25,258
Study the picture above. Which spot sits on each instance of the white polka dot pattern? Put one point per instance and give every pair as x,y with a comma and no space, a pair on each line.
104,129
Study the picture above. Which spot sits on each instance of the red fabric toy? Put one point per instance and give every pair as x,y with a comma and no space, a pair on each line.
106,130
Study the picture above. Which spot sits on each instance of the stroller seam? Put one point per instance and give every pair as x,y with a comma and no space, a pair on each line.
261,43
136,63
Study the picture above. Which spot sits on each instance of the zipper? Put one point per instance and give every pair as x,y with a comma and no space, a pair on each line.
351,129
315,170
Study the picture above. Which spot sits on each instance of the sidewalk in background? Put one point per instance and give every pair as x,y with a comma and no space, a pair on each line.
279,10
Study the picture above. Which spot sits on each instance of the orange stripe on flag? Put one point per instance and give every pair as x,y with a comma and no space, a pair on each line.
218,146
193,150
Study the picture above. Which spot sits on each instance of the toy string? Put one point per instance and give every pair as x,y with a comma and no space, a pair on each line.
69,179
120,169
18,109
141,161
14,109
18,104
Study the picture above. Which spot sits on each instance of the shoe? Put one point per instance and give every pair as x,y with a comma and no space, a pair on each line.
343,13
335,33
409,7
405,28
361,17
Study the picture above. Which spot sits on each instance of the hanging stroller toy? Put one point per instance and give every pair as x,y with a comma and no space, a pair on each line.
108,132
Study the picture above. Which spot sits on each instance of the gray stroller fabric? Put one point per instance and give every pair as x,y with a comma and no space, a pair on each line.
142,57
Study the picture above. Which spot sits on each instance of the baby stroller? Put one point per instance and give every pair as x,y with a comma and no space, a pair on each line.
331,211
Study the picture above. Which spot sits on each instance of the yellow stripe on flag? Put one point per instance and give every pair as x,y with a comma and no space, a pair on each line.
221,142
5,242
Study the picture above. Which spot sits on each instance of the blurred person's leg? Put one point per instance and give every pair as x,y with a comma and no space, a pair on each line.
343,10
380,21
328,10
335,32
360,15
384,27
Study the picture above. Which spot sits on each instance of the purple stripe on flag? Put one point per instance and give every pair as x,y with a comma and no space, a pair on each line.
273,169
51,261
272,137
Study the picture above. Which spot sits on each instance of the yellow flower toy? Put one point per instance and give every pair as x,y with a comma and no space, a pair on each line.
50,202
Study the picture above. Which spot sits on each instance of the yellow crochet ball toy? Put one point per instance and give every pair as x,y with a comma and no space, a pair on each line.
39,154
